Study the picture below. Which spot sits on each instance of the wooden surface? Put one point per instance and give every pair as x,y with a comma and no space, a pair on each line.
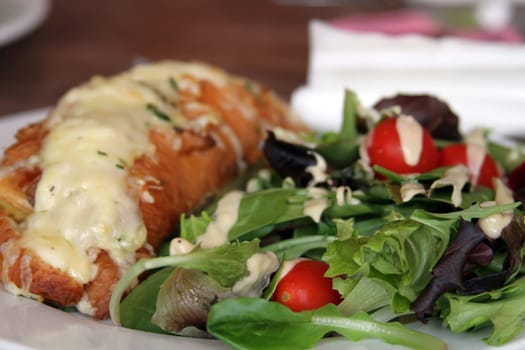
261,39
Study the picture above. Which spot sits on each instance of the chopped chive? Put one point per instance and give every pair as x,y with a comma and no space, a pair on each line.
119,165
173,84
102,153
158,113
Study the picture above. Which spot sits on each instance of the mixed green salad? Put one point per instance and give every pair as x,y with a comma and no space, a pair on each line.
397,218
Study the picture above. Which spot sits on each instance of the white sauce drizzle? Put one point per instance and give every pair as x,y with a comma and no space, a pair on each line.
411,189
180,246
493,225
260,266
314,207
475,157
318,171
226,215
343,196
410,138
254,184
457,177
476,152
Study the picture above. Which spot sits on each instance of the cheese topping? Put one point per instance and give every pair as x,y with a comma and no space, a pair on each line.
226,215
410,138
83,201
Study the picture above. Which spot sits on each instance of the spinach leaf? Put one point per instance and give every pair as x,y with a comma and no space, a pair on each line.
268,207
138,307
248,323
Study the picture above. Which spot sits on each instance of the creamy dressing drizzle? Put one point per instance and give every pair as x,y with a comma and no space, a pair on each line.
475,157
180,246
476,152
254,184
410,138
260,266
457,177
343,196
314,207
493,225
226,215
318,171
411,189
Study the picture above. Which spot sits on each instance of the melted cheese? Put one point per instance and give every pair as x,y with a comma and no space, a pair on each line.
83,202
226,215
410,138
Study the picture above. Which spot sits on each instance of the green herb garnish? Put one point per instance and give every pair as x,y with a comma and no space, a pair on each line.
158,113
173,83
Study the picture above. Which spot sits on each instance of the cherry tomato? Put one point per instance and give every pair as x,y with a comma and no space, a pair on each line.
479,175
384,148
305,287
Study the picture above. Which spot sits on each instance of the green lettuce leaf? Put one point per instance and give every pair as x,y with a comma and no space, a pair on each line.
402,253
503,309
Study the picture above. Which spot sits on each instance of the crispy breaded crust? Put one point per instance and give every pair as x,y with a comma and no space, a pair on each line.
188,165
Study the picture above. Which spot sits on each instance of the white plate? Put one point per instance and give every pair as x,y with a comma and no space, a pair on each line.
19,17
28,325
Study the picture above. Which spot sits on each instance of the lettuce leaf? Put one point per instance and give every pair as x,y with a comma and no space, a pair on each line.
402,253
503,309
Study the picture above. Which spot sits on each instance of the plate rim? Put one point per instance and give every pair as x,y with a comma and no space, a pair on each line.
33,14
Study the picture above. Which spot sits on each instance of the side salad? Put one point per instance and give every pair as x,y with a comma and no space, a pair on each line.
396,218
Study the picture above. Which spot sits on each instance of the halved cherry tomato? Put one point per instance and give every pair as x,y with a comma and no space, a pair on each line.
481,173
384,148
305,287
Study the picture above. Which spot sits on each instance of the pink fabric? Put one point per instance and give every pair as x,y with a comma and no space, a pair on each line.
418,22
393,22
